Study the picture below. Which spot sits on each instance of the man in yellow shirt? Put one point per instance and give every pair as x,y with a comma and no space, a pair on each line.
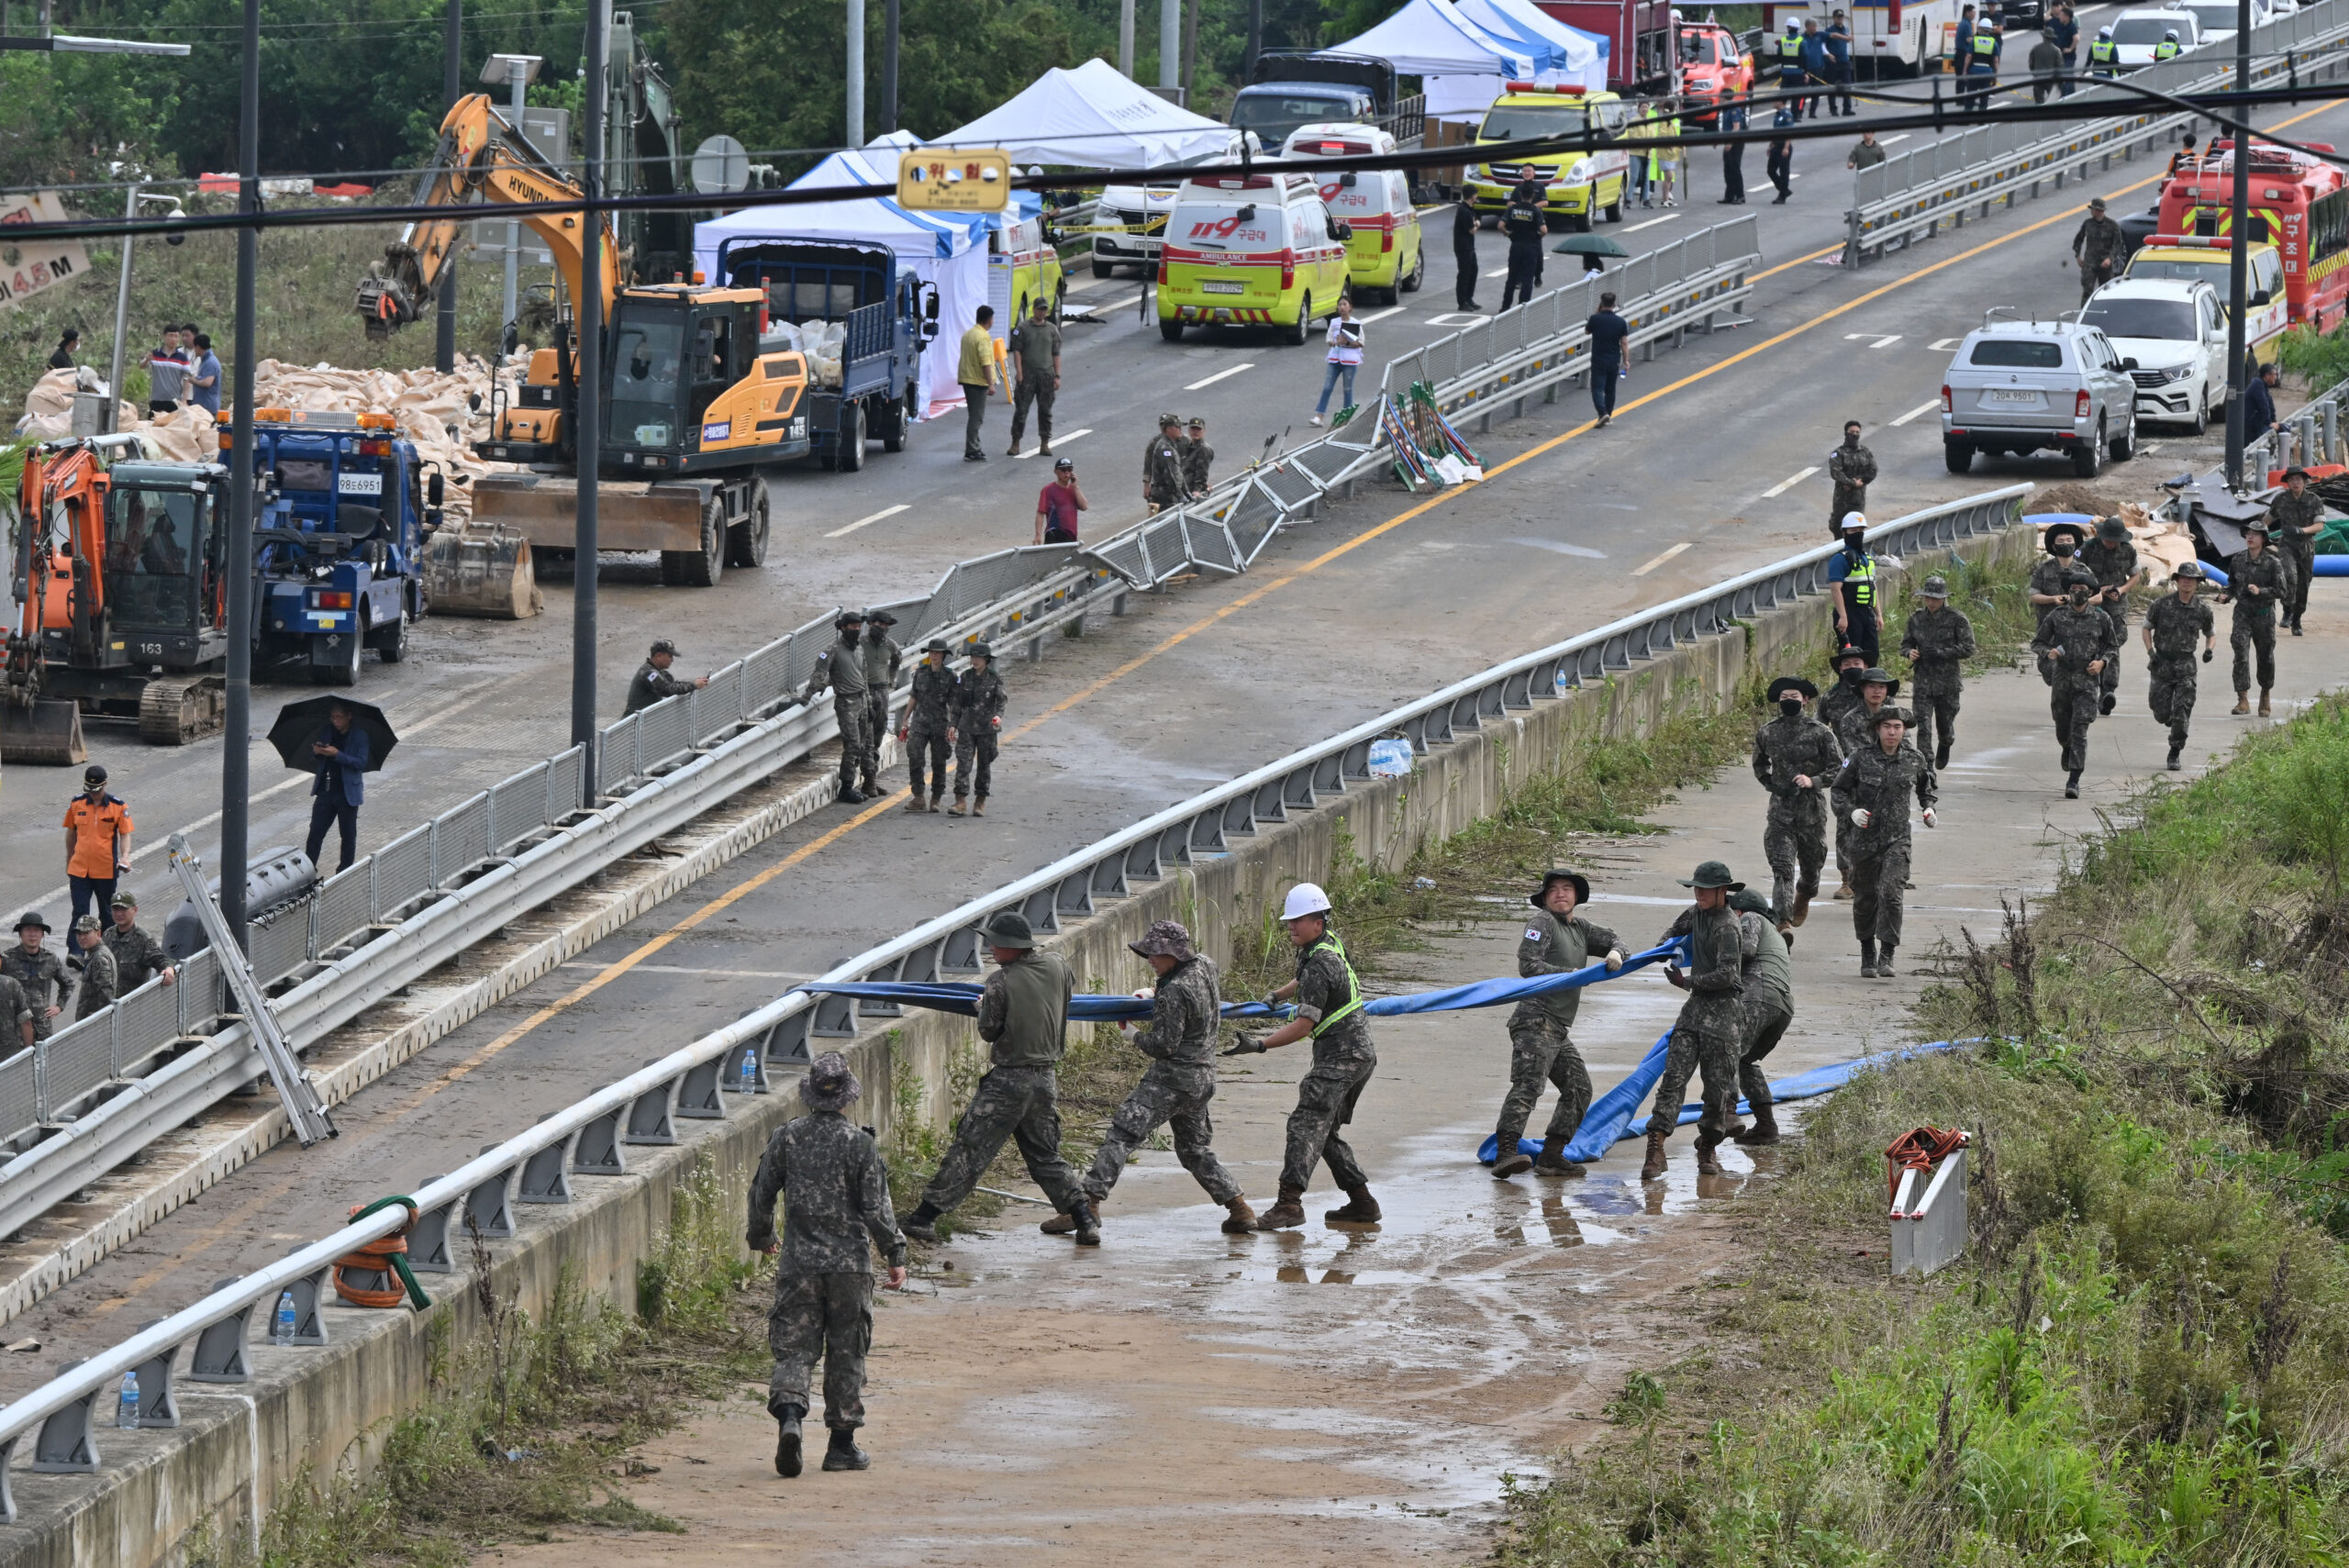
977,375
97,844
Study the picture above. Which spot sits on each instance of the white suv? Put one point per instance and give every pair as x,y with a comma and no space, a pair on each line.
2175,332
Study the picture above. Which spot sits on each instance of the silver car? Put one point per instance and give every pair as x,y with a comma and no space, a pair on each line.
2030,387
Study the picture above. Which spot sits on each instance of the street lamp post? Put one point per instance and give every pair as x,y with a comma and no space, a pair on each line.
139,197
517,71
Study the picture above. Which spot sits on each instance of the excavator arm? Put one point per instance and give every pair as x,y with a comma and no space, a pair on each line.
482,160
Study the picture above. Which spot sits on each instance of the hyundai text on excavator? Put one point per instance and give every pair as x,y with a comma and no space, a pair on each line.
118,570
694,408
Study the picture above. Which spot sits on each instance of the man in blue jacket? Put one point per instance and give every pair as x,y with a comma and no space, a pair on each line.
1838,39
342,753
1814,69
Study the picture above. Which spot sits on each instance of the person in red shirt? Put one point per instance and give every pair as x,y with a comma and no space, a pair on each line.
1058,505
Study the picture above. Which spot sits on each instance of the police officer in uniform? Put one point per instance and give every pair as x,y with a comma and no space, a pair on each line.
882,658
1859,608
929,734
1161,465
1558,941
652,682
1523,221
2169,47
977,716
1982,51
2111,559
841,667
2172,627
2298,517
2259,583
1328,1010
138,957
2104,55
2075,642
40,972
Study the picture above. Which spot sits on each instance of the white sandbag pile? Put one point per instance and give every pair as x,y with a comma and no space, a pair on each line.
821,341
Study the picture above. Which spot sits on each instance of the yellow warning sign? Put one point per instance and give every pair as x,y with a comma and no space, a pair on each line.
964,179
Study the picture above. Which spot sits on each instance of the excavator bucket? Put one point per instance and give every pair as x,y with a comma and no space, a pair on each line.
46,734
481,569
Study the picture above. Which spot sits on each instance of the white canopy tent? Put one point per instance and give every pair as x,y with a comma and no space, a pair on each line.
1432,38
1092,117
946,251
1582,56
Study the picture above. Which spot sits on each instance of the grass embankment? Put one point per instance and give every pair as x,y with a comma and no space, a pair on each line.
2141,1359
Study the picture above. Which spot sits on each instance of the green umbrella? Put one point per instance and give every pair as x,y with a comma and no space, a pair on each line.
1589,245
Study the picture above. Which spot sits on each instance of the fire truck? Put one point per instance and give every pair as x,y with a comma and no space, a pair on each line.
2297,201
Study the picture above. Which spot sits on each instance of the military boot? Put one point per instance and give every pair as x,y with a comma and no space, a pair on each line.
2175,751
979,807
1286,1214
850,796
1786,934
1868,958
2106,705
2243,701
1510,1161
1941,756
2072,784
1801,910
2264,709
1653,1167
844,1453
1707,1164
1063,1224
956,809
1553,1161
921,1223
1360,1209
915,805
1241,1221
1884,970
787,1442
1843,893
1764,1131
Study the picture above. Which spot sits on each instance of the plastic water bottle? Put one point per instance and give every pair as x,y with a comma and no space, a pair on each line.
751,1071
281,1331
126,1413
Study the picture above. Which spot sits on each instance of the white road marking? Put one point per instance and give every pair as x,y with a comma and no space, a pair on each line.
1873,340
1667,217
1562,548
1497,273
1675,550
1888,141
1790,483
1944,345
1219,375
1374,316
1919,412
1456,318
1062,438
885,512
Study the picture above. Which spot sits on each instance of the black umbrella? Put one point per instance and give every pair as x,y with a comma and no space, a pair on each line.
1587,245
299,724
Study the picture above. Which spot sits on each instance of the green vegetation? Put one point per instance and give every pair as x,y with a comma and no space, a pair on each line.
2321,359
2141,1358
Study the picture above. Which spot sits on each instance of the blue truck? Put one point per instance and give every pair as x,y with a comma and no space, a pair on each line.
863,321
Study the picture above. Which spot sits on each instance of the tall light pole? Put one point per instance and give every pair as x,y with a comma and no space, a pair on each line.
2239,251
236,763
1126,39
587,315
516,71
889,34
138,198
1170,43
854,136
445,340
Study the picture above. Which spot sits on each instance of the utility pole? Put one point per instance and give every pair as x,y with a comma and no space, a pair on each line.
1255,39
1126,39
587,318
1170,43
236,761
1190,48
2239,251
121,317
444,342
889,66
854,136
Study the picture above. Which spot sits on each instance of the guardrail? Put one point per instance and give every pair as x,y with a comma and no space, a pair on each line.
99,1092
591,1138
1911,194
2317,433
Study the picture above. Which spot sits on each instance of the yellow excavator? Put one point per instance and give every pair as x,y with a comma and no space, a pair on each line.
693,406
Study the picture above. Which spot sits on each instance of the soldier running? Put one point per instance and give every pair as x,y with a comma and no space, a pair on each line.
99,984
1766,1007
1161,465
2172,625
1844,699
929,732
1329,1009
1796,758
882,658
839,1212
1023,1017
2111,559
1198,459
652,682
1873,792
2298,517
977,717
1558,941
1186,1016
2259,581
841,667
138,957
1706,1036
40,972
2074,644
1937,641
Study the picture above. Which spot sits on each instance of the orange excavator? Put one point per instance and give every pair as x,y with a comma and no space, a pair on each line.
694,404
117,571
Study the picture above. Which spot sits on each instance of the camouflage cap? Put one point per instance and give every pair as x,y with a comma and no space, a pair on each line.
1887,714
2191,569
849,618
86,923
982,650
830,1085
1877,675
1713,874
2295,471
1199,421
1166,419
664,646
880,617
2257,525
1934,587
125,899
2078,577
1165,939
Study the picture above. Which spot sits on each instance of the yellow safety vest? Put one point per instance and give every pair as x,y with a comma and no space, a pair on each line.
1329,942
1986,45
2166,49
2104,51
1861,580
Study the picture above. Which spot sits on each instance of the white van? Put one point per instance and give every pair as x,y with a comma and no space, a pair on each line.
1384,258
1139,212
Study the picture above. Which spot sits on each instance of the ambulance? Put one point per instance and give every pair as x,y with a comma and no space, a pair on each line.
1255,249
1581,185
1022,267
1385,257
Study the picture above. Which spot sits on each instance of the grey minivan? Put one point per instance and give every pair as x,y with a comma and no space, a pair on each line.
2029,386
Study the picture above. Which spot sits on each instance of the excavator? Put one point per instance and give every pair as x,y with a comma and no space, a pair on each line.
694,405
118,565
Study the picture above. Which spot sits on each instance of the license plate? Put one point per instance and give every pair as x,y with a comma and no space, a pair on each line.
359,484
1223,288
2000,394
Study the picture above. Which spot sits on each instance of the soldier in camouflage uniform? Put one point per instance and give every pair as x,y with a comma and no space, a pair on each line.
1766,1007
1198,458
2074,644
1557,940
1873,794
138,957
2047,587
1796,759
928,733
977,717
16,1017
1162,464
1851,469
882,658
2112,561
2259,583
1851,663
841,667
652,682
99,986
1329,1009
1938,641
40,972
1186,1012
2298,517
1709,1031
1023,1017
839,1212
2171,628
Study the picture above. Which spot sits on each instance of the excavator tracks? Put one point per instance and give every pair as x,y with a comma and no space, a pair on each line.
175,709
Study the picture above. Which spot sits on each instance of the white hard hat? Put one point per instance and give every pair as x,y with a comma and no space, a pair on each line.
1305,898
1855,520
2104,32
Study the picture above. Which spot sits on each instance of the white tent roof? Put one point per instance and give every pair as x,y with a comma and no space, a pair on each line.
1093,117
1582,56
1430,37
871,220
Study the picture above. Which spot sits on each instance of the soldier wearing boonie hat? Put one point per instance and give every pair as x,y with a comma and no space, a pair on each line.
2298,517
40,972
1937,642
2174,623
1558,939
1873,792
1708,1033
